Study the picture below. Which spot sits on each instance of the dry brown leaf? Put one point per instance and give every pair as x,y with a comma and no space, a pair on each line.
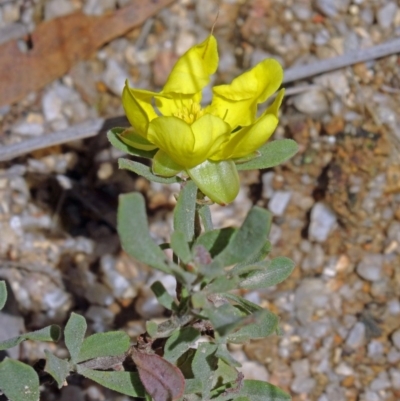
58,44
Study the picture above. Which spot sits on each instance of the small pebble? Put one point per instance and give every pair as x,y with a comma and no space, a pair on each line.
385,14
323,221
370,267
279,202
356,337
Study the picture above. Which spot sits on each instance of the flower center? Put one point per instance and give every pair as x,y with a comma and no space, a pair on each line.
191,113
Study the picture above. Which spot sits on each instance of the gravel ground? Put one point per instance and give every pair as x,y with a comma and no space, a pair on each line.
336,204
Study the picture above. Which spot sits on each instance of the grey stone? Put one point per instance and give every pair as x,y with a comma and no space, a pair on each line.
267,180
385,14
356,337
254,371
313,102
323,221
12,31
375,349
344,370
395,378
314,259
370,267
393,356
57,8
302,11
371,396
381,382
114,76
322,37
52,105
394,307
95,7
28,129
279,202
396,339
301,368
101,318
302,385
332,8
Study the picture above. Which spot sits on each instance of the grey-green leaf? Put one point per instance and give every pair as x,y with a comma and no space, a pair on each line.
145,171
134,233
179,342
249,239
123,382
74,334
112,136
215,241
49,333
260,324
18,381
3,294
274,273
56,367
97,345
225,318
257,390
180,246
271,154
163,297
205,216
185,210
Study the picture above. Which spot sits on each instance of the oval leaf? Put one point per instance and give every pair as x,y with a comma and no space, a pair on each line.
134,233
274,273
162,380
145,171
179,342
74,334
3,294
18,381
257,390
98,345
56,367
271,154
185,210
123,382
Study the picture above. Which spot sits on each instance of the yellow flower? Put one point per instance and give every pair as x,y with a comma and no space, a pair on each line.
204,142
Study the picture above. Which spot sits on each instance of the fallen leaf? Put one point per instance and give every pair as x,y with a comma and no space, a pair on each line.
56,45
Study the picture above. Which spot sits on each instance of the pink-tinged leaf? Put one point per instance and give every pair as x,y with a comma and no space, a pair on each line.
161,379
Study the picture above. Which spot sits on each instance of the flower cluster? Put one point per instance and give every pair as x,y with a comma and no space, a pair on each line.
204,142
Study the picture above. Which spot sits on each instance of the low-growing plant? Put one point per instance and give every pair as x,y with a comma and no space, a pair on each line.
186,357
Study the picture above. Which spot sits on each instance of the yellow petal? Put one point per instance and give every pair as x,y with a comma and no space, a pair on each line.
248,139
274,107
138,108
210,134
192,71
163,165
237,103
175,137
170,103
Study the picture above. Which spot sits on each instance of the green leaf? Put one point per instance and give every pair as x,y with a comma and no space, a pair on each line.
134,232
257,257
273,273
244,303
225,355
250,238
193,386
222,284
74,334
163,297
180,247
257,390
225,318
258,325
49,333
18,381
185,211
3,294
217,180
56,367
113,137
179,342
215,241
127,383
97,345
151,328
145,171
272,154
204,365
205,216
